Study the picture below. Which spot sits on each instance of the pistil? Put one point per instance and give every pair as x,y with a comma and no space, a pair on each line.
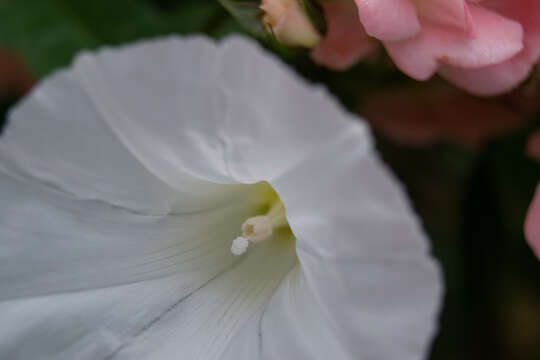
259,228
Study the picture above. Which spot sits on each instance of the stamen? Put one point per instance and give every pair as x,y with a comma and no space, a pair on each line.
259,228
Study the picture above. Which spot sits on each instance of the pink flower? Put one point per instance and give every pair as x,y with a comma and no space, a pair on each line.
503,76
428,113
15,78
484,46
531,103
533,146
532,223
345,42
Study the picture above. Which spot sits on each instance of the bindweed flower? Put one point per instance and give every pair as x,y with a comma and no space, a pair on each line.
125,180
289,23
485,47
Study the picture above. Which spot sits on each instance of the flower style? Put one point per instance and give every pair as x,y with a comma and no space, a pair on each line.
125,180
485,47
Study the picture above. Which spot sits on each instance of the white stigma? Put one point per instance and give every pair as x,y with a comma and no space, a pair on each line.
239,245
259,228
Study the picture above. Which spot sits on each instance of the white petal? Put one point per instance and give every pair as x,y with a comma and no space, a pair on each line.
274,118
292,327
203,326
58,135
52,243
363,254
226,113
159,98
187,109
85,325
147,320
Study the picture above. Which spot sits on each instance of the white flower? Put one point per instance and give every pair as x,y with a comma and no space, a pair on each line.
125,180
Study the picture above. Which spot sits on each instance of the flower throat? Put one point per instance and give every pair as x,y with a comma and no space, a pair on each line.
259,228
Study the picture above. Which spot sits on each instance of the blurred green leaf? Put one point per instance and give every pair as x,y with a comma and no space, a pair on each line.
315,14
48,34
247,13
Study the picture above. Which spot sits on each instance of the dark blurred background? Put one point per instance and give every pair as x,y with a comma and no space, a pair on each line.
461,158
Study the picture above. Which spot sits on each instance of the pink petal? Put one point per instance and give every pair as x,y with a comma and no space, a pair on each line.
490,80
533,146
527,12
532,223
494,39
500,78
15,78
445,12
345,42
430,112
388,20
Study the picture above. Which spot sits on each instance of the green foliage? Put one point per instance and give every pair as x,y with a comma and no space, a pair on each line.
247,13
315,14
48,33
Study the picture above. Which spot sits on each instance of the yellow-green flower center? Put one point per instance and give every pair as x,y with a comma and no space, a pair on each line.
259,228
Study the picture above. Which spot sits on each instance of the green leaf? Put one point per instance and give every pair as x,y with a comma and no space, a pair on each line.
47,34
248,14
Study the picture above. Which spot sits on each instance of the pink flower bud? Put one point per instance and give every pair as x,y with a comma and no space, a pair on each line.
289,23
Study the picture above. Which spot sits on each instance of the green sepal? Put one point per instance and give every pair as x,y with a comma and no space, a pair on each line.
248,14
315,14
